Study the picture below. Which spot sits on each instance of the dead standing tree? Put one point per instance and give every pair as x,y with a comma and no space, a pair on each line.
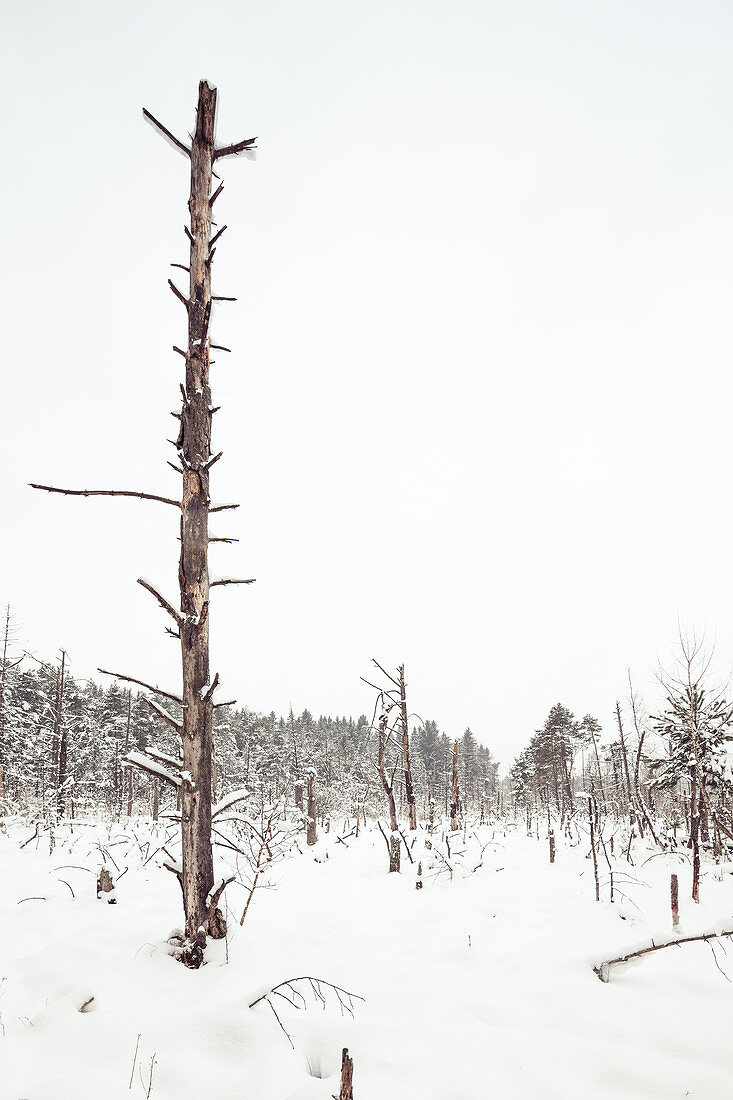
388,700
190,775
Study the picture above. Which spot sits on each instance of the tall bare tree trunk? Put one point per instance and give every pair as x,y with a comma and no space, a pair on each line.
454,791
409,789
393,844
695,836
193,569
3,677
128,771
311,833
61,738
625,763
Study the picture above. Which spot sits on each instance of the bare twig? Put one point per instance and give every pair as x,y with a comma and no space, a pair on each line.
132,1071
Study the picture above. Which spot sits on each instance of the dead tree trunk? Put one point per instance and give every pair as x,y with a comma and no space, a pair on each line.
394,840
127,749
3,686
311,835
61,738
191,775
454,791
695,837
409,789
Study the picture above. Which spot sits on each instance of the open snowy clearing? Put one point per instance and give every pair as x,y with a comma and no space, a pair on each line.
474,987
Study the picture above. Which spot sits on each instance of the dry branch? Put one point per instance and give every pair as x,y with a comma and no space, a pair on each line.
233,150
166,132
161,600
108,493
602,970
141,683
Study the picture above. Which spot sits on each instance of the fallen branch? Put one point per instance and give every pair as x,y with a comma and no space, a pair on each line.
602,970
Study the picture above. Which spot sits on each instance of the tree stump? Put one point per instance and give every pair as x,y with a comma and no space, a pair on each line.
105,886
347,1073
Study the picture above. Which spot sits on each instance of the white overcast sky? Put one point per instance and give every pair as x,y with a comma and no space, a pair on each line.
478,410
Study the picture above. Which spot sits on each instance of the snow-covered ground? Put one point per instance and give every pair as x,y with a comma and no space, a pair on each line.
477,986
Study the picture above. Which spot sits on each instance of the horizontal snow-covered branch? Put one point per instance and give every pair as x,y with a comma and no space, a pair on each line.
137,759
229,800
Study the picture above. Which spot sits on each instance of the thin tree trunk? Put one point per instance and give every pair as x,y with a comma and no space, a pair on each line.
409,790
454,791
311,834
625,762
127,749
61,738
695,838
3,673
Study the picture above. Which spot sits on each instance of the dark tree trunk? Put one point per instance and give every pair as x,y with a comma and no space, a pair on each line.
394,840
61,738
194,449
695,837
409,789
454,798
128,771
311,834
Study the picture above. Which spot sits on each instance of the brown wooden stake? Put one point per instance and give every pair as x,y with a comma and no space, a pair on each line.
347,1073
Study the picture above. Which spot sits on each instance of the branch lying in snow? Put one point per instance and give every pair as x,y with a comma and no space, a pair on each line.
602,970
137,759
345,999
229,800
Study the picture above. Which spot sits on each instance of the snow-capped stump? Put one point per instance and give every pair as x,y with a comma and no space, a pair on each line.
105,886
